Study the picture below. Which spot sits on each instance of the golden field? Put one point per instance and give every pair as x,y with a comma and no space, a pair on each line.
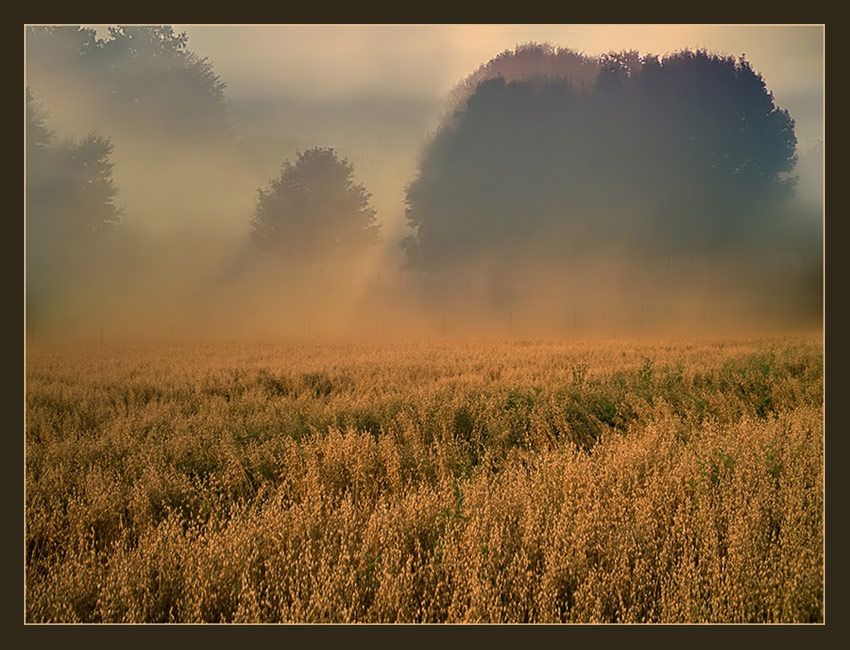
620,480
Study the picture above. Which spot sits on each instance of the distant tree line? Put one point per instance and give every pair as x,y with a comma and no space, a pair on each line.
144,81
541,152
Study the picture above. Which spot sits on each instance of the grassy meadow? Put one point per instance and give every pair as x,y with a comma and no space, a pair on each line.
619,480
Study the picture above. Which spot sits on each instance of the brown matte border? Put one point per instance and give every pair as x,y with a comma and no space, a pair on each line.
835,331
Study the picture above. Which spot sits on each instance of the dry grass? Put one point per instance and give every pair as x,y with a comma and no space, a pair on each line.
672,480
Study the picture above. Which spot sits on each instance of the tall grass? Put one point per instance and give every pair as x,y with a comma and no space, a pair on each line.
521,481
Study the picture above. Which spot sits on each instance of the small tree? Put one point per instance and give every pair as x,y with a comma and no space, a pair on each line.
314,209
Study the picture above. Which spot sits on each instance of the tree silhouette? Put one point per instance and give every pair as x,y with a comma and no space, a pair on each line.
681,154
39,137
70,190
161,105
712,128
70,197
315,210
524,61
160,81
138,78
499,175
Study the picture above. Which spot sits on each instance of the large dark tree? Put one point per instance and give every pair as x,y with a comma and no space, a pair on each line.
499,175
315,210
706,142
682,154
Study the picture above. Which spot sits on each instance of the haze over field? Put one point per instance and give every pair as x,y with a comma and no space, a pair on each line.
427,180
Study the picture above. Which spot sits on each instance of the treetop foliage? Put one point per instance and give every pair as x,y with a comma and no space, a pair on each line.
524,61
144,78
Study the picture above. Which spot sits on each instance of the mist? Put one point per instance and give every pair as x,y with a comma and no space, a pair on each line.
507,201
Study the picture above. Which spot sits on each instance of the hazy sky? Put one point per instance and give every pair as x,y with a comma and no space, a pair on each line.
335,63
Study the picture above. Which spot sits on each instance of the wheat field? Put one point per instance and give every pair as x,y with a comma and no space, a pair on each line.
620,480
